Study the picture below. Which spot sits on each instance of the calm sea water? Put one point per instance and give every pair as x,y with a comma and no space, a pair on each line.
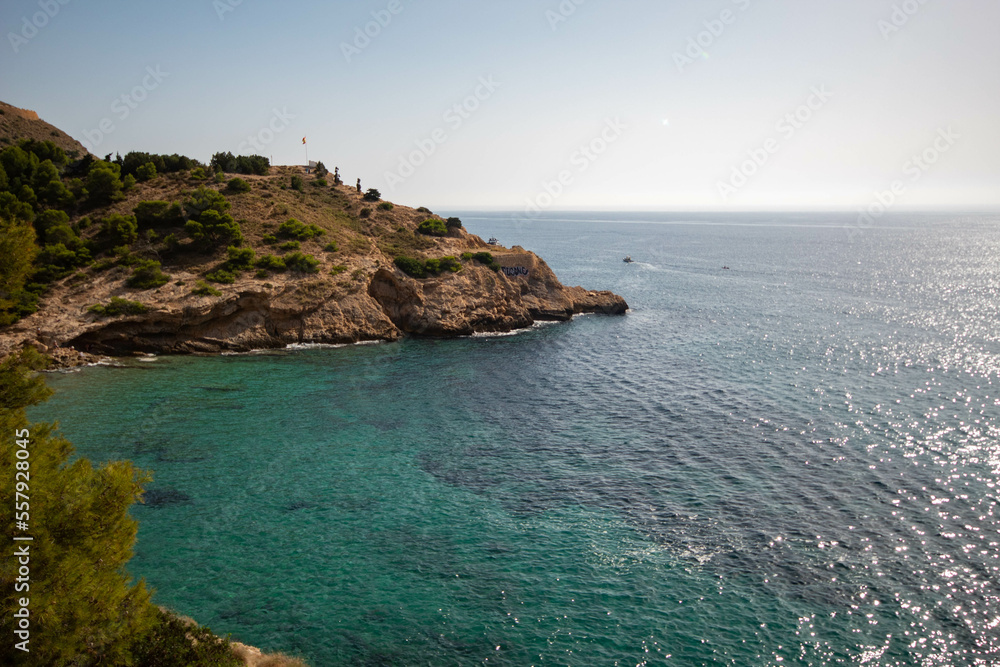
792,461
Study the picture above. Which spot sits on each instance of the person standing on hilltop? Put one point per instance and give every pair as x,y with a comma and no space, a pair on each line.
359,186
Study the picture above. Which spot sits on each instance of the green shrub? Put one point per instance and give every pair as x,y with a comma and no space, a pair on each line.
240,164
432,227
449,263
65,255
162,164
269,239
453,223
201,288
46,220
290,245
331,247
297,183
198,174
146,172
47,183
147,275
206,199
210,222
424,209
271,263
238,185
372,195
103,183
239,258
19,303
221,276
411,267
487,259
119,306
319,182
119,230
214,228
293,229
172,641
467,256
158,214
386,206
298,261
219,177
337,269
365,213
128,182
429,267
262,273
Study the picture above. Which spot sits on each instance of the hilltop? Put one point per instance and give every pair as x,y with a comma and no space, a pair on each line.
163,254
17,124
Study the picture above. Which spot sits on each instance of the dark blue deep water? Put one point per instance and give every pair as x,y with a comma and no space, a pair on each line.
790,461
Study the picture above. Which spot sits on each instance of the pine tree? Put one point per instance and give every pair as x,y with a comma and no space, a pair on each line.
84,609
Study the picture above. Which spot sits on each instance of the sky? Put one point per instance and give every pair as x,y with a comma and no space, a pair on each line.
716,105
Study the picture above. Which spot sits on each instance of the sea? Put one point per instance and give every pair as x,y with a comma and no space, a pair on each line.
786,453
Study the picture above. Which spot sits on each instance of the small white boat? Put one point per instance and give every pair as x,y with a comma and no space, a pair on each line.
493,241
628,259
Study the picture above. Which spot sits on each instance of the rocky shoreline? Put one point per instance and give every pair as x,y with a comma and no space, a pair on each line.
380,303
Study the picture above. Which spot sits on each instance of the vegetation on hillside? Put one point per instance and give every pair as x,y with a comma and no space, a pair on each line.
149,216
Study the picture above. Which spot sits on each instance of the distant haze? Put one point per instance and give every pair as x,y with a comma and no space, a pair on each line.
634,104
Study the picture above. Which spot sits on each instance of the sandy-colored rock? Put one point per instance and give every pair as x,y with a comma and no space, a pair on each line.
384,304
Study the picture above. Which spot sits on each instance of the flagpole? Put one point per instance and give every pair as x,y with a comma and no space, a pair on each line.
307,152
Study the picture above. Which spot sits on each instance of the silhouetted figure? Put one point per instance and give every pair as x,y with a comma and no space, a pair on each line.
336,176
359,186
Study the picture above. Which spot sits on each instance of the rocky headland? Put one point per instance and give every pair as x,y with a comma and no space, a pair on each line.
363,270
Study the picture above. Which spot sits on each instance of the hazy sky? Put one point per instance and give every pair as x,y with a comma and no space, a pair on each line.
716,104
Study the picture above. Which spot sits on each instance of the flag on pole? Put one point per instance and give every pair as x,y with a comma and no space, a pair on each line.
303,140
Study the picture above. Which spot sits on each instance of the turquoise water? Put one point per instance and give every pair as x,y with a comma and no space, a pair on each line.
792,461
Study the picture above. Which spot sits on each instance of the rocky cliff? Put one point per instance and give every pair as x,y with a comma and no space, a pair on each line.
377,301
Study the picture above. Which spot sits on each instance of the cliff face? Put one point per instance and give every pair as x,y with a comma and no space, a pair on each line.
378,303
